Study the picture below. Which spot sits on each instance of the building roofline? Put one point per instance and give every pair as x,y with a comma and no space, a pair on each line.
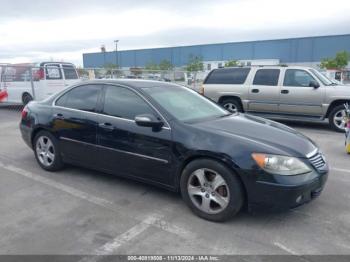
222,43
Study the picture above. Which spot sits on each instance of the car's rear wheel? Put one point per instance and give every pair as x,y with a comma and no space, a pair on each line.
26,98
232,105
337,118
47,152
211,190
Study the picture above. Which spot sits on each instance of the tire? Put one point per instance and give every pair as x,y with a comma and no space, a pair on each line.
26,98
47,152
232,105
335,118
198,194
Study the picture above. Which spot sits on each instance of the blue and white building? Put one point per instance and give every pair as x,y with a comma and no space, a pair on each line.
307,51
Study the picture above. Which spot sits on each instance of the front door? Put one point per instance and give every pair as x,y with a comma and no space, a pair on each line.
298,97
264,91
126,148
75,123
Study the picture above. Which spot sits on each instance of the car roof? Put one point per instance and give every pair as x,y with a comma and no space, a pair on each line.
133,83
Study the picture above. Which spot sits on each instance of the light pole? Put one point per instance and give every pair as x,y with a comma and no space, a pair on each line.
116,52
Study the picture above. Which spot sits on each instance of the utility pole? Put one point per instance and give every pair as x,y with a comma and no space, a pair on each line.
116,53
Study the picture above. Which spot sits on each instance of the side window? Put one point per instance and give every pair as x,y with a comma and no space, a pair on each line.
124,103
53,72
266,77
297,77
82,98
227,76
69,72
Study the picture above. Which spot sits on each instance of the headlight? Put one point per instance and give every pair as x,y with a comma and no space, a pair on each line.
281,165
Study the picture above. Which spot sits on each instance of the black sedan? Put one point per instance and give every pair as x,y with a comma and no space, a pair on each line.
170,136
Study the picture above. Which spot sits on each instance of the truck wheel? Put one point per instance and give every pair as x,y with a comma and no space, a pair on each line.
232,105
26,98
337,118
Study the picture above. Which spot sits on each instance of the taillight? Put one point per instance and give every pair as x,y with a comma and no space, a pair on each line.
24,113
201,90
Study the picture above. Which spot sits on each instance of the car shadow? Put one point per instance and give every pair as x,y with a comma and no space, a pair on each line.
110,181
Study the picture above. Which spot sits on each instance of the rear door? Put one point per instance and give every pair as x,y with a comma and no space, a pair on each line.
129,149
298,97
75,123
264,91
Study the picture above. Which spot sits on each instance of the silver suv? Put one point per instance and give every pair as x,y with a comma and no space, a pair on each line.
280,92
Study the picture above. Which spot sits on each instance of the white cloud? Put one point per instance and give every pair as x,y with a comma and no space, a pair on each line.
150,23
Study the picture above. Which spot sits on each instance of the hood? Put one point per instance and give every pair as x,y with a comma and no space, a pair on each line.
266,135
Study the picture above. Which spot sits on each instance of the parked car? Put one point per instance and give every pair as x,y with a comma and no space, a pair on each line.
170,136
45,79
279,92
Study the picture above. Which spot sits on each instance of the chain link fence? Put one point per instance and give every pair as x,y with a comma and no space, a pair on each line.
22,83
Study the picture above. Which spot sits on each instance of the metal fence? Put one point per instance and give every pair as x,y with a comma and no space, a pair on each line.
190,79
22,83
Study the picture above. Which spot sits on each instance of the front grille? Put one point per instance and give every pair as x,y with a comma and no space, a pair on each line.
317,161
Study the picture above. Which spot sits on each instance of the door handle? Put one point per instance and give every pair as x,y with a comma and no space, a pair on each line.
284,91
107,126
59,116
255,90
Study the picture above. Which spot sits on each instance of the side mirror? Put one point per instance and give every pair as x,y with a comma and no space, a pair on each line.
314,84
148,120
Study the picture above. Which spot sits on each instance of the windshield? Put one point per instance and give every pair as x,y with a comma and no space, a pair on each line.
184,104
322,77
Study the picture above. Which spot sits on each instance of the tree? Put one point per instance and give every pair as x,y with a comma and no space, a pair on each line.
165,65
110,68
82,72
151,66
339,62
231,63
195,64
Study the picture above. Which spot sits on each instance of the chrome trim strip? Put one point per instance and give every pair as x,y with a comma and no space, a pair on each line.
312,153
117,150
131,89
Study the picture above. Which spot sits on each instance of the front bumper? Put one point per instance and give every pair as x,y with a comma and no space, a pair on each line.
284,192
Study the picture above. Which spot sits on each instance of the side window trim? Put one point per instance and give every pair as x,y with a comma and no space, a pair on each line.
105,86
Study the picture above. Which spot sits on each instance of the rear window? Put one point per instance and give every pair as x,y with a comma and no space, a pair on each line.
69,72
82,98
266,77
53,72
227,76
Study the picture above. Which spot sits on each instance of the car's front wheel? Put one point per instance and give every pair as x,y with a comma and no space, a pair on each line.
47,152
211,190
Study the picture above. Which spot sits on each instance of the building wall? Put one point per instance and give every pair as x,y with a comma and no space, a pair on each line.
291,51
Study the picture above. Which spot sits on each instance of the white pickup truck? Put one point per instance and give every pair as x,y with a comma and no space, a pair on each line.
21,83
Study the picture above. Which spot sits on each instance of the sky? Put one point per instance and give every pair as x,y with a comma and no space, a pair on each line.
62,30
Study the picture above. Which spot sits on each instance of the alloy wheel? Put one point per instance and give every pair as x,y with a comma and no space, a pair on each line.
45,151
339,119
208,191
231,107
